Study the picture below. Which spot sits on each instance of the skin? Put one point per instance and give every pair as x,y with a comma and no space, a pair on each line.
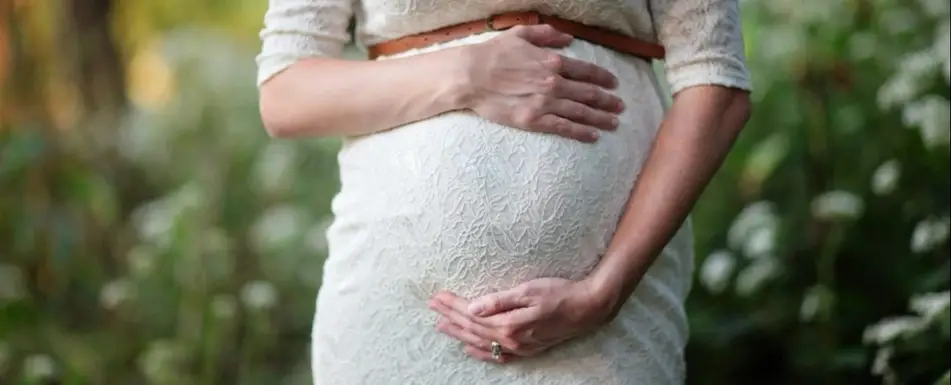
514,80
696,135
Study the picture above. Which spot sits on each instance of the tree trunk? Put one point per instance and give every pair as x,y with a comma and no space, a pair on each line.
93,61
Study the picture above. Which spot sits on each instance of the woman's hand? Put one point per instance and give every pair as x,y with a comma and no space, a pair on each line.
526,320
513,80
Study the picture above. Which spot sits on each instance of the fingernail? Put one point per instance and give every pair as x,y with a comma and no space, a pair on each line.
595,135
476,309
615,122
620,106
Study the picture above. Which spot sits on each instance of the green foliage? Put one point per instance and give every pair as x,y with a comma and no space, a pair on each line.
842,188
184,246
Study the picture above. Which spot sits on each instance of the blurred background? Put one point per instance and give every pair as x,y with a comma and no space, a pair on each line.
152,233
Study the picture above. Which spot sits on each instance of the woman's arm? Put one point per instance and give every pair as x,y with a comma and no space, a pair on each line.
513,79
706,69
708,77
698,133
325,96
693,140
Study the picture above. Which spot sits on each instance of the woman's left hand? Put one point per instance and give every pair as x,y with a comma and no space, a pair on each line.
526,320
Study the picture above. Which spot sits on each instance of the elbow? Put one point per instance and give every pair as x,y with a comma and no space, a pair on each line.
274,125
739,110
277,121
283,116
745,105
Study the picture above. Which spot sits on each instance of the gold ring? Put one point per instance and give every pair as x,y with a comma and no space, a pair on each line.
496,350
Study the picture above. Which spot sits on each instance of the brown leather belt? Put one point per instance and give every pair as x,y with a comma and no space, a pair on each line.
610,39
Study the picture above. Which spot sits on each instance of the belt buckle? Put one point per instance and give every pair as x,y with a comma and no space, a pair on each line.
488,23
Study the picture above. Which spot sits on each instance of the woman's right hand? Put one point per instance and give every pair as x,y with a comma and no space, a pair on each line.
514,80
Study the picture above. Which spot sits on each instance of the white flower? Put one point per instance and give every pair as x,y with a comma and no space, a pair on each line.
929,234
891,328
935,8
141,260
223,306
161,362
919,64
317,236
781,43
754,276
942,48
880,365
717,270
817,300
12,283
932,116
837,204
154,222
258,295
930,305
190,196
754,217
277,227
39,367
275,167
761,242
897,21
115,293
897,90
885,178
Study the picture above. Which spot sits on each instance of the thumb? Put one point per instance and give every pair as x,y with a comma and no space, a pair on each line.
543,35
498,302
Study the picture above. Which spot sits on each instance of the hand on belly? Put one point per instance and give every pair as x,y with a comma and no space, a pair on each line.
524,321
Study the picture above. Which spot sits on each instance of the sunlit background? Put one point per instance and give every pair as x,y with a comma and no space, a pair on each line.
152,233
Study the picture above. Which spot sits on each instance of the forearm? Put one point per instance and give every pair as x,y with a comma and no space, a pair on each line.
325,97
692,142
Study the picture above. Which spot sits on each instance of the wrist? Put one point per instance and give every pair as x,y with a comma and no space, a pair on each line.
608,288
605,295
456,79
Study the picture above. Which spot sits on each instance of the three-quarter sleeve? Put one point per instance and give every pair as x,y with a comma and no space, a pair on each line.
297,29
704,42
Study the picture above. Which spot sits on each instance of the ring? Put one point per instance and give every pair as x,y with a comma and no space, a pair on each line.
496,350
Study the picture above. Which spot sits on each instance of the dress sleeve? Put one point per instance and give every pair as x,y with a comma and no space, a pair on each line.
704,43
297,29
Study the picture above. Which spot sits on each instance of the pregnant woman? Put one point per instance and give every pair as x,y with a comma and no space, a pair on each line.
514,190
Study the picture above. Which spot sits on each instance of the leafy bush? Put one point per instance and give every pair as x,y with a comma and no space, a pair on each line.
181,245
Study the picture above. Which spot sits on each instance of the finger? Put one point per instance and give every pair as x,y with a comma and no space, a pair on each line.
447,327
498,302
542,35
463,320
485,355
587,72
558,125
589,94
583,114
508,329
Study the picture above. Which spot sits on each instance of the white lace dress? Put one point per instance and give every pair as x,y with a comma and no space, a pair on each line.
461,203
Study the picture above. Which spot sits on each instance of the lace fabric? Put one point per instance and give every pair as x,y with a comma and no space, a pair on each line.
465,204
703,37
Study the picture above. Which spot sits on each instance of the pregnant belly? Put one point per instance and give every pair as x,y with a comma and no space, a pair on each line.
461,203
